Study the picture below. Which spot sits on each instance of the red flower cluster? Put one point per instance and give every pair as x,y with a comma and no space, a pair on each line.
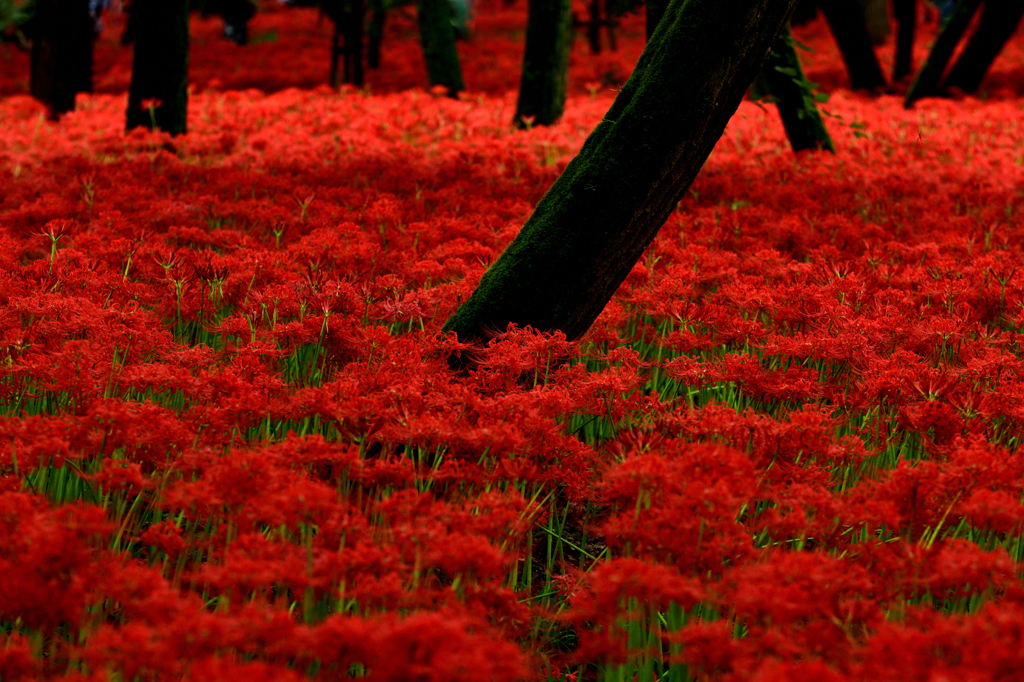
230,444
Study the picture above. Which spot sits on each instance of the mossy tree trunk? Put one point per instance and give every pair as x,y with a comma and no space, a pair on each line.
595,222
438,37
545,63
927,81
159,88
999,20
784,79
846,20
61,59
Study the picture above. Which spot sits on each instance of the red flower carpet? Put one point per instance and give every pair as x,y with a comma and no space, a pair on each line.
231,447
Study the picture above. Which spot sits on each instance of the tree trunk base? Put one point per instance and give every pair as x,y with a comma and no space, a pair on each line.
598,218
158,95
847,23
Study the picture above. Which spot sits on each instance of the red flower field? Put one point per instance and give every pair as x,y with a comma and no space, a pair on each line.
231,447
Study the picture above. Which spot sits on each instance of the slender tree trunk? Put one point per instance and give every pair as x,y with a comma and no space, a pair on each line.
348,18
375,34
785,80
876,20
159,88
61,53
655,10
594,27
847,23
438,37
546,63
927,82
906,20
595,222
999,20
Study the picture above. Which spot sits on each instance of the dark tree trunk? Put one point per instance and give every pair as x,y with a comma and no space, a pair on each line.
546,63
595,222
846,21
61,53
348,42
375,34
785,80
159,89
594,27
906,20
927,82
438,37
999,20
655,10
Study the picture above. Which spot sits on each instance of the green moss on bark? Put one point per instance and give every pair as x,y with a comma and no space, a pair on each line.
595,222
545,63
785,80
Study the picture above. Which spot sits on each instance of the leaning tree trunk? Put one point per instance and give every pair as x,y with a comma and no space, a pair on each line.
61,53
159,90
545,64
595,222
999,20
846,21
927,82
785,81
438,37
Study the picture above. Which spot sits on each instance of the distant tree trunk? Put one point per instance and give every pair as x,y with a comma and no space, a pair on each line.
655,10
847,23
595,222
545,63
927,82
999,20
159,88
906,20
348,18
785,80
61,53
375,34
876,20
438,37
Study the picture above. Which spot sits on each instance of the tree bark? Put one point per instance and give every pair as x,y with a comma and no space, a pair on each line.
905,12
545,63
375,34
927,82
595,222
785,80
61,60
847,24
159,88
438,37
349,18
999,20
